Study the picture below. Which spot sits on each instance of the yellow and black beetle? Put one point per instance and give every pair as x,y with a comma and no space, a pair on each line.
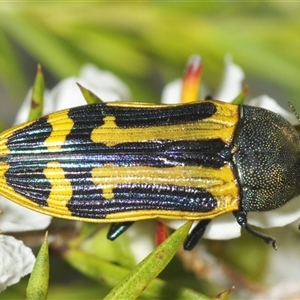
122,162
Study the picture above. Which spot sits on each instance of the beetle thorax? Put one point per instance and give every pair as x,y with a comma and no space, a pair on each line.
267,160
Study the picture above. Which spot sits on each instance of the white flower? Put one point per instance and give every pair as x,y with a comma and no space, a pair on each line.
16,218
232,80
231,85
17,260
66,93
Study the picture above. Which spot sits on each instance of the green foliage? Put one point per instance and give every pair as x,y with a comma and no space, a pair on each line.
37,98
133,284
37,288
110,264
89,96
147,44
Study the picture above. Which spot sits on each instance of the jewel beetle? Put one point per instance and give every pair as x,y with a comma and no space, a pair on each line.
123,162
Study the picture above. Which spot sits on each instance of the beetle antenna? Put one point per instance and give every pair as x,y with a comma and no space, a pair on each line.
293,109
241,218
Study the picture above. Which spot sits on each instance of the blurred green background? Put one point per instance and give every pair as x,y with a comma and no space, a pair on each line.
147,45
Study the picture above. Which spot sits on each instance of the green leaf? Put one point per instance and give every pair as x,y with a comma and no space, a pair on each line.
37,288
224,295
118,251
111,274
37,97
89,96
11,73
141,276
240,98
94,267
46,47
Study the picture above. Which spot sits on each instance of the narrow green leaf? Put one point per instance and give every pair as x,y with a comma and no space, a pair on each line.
111,274
11,73
240,98
37,288
62,61
93,241
224,295
95,267
141,276
89,96
37,97
119,251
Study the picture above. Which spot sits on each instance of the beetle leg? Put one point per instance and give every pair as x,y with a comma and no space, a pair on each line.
116,229
241,218
195,235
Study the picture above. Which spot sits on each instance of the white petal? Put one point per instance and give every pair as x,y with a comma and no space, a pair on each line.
174,224
279,217
104,84
67,94
266,102
16,218
16,261
172,92
223,227
23,113
142,237
231,85
230,88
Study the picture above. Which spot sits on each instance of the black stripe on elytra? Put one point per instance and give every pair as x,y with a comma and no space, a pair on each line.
159,154
145,197
27,161
130,117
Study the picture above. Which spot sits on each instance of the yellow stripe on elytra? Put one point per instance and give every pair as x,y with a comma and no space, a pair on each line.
61,189
57,200
61,127
107,192
221,125
219,182
4,150
3,185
